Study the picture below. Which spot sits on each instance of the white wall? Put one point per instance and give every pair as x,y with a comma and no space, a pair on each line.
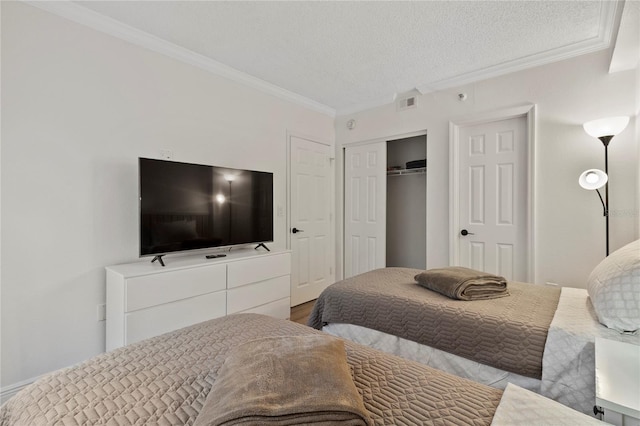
78,108
569,222
637,91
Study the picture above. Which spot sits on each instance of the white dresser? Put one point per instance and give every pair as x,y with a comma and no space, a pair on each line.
145,299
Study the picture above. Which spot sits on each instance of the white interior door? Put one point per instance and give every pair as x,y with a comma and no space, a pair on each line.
311,197
493,197
365,208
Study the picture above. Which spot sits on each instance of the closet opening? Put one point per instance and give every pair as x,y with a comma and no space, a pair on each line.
406,223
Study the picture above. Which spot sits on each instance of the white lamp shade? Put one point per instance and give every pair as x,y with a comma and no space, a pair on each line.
593,179
609,126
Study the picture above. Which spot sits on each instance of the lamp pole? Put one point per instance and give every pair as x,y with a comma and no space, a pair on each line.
605,141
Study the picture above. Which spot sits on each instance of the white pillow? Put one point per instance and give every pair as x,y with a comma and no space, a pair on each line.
614,288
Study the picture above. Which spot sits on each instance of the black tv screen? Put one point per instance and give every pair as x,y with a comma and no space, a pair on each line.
187,206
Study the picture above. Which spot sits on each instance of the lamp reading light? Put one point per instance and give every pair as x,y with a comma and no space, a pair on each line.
593,179
220,198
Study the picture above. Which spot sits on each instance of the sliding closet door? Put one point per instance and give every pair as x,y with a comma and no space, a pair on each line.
365,208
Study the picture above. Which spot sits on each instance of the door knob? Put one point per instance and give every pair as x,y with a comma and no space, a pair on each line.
464,232
296,230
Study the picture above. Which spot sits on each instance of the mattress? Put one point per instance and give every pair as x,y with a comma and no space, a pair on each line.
508,333
165,381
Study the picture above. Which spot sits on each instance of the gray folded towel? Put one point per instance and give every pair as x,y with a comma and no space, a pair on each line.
292,380
462,283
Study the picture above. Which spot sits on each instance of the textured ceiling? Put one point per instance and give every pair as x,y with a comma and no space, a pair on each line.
349,55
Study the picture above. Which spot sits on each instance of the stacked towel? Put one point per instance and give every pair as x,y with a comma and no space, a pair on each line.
462,283
291,380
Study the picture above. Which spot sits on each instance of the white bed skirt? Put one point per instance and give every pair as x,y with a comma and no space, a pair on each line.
432,357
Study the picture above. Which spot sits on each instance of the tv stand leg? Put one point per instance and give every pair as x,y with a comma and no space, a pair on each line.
262,245
159,259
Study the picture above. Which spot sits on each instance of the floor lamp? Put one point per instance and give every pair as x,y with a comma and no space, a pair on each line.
604,129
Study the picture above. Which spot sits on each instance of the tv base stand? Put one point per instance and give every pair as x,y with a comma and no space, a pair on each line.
262,245
159,259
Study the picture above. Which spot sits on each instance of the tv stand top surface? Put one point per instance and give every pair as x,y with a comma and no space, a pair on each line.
144,266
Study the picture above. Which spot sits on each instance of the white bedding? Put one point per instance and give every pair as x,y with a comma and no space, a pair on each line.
519,406
433,357
568,363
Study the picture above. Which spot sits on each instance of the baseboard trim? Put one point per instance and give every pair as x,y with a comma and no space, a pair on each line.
8,391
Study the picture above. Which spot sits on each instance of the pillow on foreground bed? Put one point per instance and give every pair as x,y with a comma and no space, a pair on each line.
614,288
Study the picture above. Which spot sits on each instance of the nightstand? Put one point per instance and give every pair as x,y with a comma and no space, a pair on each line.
618,381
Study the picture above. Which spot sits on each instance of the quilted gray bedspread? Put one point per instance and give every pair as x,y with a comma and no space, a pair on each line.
507,333
165,381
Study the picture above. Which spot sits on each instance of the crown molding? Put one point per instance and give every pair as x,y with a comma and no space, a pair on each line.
99,22
608,13
82,15
608,16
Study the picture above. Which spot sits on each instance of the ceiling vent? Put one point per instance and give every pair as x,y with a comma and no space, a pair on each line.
407,103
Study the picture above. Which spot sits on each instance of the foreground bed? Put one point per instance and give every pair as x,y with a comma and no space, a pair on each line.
539,337
166,380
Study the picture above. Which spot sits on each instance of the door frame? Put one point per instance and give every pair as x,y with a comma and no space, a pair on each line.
332,195
341,255
528,111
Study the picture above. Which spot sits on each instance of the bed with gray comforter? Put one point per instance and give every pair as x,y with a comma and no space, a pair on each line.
166,381
541,338
254,370
508,333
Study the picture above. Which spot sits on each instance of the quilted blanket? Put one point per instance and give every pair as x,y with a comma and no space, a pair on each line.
508,333
165,381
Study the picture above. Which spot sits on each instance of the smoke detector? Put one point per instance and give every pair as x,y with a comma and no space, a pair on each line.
351,124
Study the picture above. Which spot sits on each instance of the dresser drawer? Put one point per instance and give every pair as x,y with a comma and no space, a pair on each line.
279,309
155,289
248,296
258,269
171,316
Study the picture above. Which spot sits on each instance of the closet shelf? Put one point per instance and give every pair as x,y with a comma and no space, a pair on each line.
402,172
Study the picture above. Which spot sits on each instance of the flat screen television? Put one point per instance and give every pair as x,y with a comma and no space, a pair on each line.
185,206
